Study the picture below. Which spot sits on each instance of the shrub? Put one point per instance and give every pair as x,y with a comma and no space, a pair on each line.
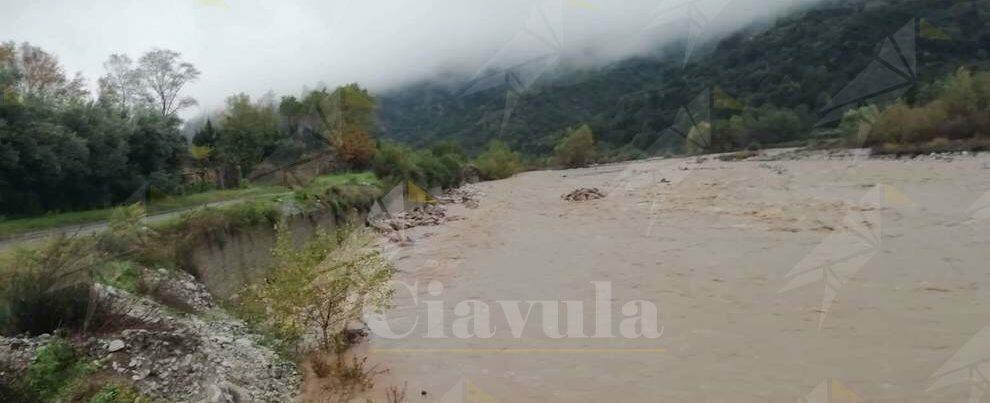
356,148
129,237
961,109
342,379
698,139
901,123
396,162
434,172
857,123
440,166
448,147
965,94
116,393
48,289
576,149
498,161
120,274
314,292
764,125
54,368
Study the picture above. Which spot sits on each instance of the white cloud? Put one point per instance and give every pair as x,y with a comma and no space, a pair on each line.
254,46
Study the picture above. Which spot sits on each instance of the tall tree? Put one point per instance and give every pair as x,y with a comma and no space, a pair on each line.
122,85
207,136
165,75
577,148
41,77
345,118
8,73
248,133
40,70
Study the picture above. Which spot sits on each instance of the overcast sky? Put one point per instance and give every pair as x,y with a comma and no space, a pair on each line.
256,46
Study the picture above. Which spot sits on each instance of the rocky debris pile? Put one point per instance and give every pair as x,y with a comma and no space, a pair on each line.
427,214
216,359
776,168
393,226
15,355
209,357
947,156
468,195
178,287
583,194
213,361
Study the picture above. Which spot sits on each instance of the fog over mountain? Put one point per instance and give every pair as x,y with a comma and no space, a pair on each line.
258,46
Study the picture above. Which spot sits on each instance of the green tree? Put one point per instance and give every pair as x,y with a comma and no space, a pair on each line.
498,161
207,136
857,123
345,118
576,149
165,75
396,162
248,133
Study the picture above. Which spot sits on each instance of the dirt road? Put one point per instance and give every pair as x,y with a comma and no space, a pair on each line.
777,281
35,237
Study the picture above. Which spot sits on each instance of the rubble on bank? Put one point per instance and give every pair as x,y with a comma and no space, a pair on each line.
393,224
208,356
583,194
468,195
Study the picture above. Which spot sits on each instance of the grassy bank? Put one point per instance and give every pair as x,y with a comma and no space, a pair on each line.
13,227
16,226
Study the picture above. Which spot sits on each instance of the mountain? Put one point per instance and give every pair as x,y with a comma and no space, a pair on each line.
800,62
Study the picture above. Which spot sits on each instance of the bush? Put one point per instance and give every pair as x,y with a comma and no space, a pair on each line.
314,292
115,393
395,162
698,139
129,237
53,369
356,148
901,123
498,162
857,123
434,173
49,289
451,148
764,125
965,94
120,274
440,166
960,110
576,149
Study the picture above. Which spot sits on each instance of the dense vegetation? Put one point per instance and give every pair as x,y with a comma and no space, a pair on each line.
63,150
770,83
957,109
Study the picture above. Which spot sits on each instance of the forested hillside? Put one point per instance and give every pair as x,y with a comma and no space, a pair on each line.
788,71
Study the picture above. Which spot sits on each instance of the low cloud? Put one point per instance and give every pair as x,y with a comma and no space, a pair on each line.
256,46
